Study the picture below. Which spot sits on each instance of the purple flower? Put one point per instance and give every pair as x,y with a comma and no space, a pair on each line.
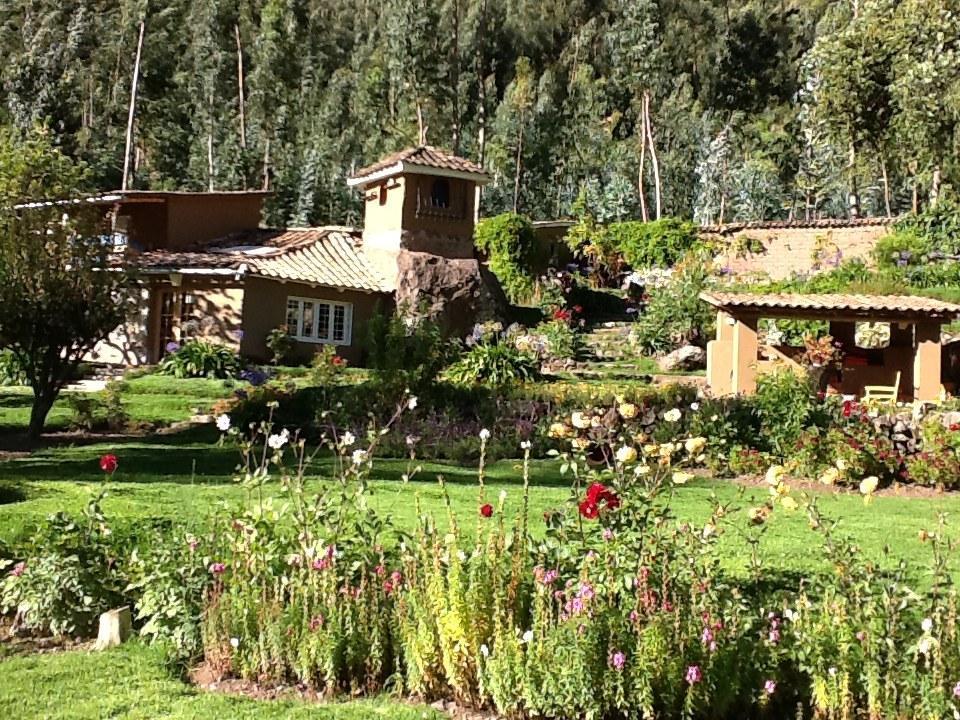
586,591
19,569
217,568
770,687
707,638
172,346
694,675
607,534
774,637
618,660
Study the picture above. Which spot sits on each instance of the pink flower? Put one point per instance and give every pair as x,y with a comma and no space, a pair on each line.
320,563
774,637
770,687
19,569
316,622
193,545
380,570
217,568
694,675
586,591
618,660
387,587
956,690
396,577
607,534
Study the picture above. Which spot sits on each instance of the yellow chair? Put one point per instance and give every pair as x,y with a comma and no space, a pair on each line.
882,394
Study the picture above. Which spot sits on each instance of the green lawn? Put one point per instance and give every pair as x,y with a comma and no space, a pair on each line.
131,682
147,399
187,478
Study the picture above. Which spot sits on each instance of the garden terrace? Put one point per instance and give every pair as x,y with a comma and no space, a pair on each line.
914,352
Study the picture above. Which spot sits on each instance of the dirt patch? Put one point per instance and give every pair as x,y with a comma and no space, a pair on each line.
812,486
207,678
20,643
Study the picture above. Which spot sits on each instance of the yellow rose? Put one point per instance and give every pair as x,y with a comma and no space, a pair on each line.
788,503
642,470
830,476
580,420
557,430
841,464
758,515
650,449
682,478
774,474
667,449
627,411
580,443
869,484
695,445
626,455
672,415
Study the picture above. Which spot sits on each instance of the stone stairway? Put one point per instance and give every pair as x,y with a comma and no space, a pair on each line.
610,354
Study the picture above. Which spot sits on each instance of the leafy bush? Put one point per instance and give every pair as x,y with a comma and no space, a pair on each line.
495,364
11,369
198,358
280,345
69,577
785,406
510,244
561,339
659,243
405,355
327,366
675,315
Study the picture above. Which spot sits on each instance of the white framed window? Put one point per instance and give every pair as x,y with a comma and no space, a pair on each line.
319,321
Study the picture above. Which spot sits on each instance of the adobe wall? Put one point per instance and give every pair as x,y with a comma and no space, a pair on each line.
265,308
194,219
781,251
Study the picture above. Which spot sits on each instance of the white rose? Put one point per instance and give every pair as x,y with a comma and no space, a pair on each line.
348,439
359,457
672,415
484,435
223,423
626,455
528,636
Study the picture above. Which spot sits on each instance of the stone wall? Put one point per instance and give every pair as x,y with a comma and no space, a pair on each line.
781,249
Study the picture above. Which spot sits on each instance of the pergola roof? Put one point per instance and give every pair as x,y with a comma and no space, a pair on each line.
834,306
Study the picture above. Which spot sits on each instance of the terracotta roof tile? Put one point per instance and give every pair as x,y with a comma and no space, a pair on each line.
423,156
865,305
328,256
825,223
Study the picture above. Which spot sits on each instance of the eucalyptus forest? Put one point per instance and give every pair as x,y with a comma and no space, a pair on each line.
714,110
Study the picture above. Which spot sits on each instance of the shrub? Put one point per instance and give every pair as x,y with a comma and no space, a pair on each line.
11,369
510,244
785,406
675,315
659,243
560,337
198,358
280,345
405,354
327,366
69,577
494,363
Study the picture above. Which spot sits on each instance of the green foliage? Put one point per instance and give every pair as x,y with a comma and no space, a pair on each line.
785,406
674,314
563,341
496,364
280,345
56,302
509,242
70,576
660,243
326,367
11,369
405,354
201,359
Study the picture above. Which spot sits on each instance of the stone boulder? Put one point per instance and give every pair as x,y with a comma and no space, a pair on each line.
688,357
456,292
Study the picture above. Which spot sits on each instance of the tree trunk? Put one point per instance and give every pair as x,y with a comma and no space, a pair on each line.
643,162
653,153
935,186
243,119
886,185
125,182
42,402
854,199
519,167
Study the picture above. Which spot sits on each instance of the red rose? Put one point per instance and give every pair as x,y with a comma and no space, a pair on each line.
612,500
486,510
108,463
595,492
589,510
577,309
337,360
847,408
561,315
954,427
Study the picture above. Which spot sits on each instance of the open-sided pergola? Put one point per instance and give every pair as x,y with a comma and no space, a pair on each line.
914,350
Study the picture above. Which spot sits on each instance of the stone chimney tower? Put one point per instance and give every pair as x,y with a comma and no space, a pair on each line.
419,211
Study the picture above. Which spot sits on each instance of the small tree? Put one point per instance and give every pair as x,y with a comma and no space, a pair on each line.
61,290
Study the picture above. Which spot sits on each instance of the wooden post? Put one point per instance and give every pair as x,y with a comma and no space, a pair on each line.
125,182
926,362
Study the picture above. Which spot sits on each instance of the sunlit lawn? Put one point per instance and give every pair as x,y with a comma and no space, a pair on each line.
132,682
188,479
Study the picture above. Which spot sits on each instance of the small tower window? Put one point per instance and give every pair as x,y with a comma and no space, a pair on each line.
440,193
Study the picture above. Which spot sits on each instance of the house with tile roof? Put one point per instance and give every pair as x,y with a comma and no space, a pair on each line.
208,270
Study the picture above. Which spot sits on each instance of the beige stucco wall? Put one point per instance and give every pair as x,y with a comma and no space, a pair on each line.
799,249
193,219
127,344
265,308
